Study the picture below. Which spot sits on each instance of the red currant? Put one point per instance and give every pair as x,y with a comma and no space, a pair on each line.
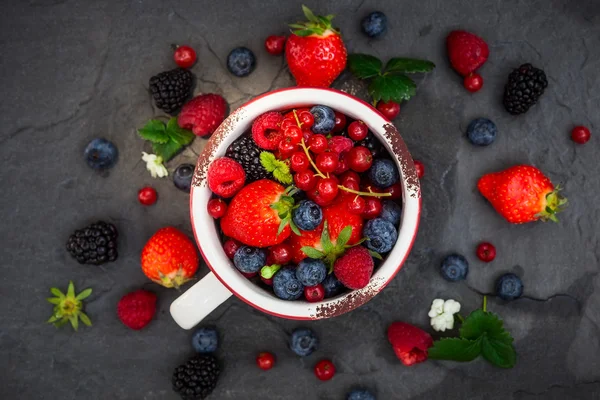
327,190
359,159
581,134
287,123
389,109
340,122
324,370
216,208
268,282
306,135
357,131
372,208
305,180
342,165
294,134
420,167
184,56
299,162
395,190
275,44
356,205
317,143
473,82
314,293
286,148
486,252
306,119
281,253
349,176
249,275
327,162
147,196
265,361
230,247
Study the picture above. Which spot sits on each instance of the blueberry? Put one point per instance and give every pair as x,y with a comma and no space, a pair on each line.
101,154
324,119
286,286
308,215
360,394
311,272
249,259
375,24
509,287
205,340
391,211
381,235
303,342
332,286
481,132
455,268
182,177
241,61
383,173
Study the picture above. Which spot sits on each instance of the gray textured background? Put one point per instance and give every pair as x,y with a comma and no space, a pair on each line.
74,70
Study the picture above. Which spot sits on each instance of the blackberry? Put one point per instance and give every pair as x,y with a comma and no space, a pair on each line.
95,244
245,151
525,86
171,88
371,143
197,378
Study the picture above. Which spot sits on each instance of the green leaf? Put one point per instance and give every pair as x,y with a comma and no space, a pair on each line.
303,32
312,252
326,240
54,300
57,293
498,353
392,87
309,14
85,319
177,134
282,225
375,254
364,66
74,321
84,294
295,228
344,236
167,150
408,65
296,26
268,271
154,131
456,349
52,319
480,322
268,160
71,290
280,170
283,176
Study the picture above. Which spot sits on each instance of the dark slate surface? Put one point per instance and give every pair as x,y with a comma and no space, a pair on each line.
74,70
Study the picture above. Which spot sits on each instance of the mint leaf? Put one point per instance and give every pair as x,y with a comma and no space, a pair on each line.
344,236
177,134
392,87
312,252
480,323
283,175
268,160
498,353
167,150
154,131
326,240
408,65
278,168
364,66
456,349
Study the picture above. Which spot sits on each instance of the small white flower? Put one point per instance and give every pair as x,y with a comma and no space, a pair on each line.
442,314
154,164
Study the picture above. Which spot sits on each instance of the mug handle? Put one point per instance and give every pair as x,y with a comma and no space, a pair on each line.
199,301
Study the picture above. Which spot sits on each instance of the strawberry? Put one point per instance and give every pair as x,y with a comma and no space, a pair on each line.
260,215
522,194
136,309
169,258
354,268
409,342
203,114
315,52
466,51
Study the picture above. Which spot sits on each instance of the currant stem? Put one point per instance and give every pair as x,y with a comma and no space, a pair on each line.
372,194
484,303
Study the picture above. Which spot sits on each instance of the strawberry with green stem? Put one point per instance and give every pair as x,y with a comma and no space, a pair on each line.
69,307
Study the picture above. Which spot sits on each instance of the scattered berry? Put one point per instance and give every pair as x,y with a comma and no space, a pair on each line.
340,122
391,211
266,130
389,109
136,309
409,342
327,162
307,216
225,177
466,51
473,82
205,340
95,244
281,254
383,173
324,119
324,370
265,360
486,252
305,180
313,294
303,342
359,159
101,154
249,259
184,56
197,378
182,177
217,208
420,167
170,89
580,134
525,86
286,286
332,286
241,61
311,272
358,131
374,25
381,234
354,268
454,268
318,143
360,394
372,208
230,247
275,44
509,287
245,151
481,132
147,196
203,114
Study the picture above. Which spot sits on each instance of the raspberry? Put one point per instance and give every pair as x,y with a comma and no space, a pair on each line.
354,268
203,114
409,342
225,177
136,309
340,144
266,130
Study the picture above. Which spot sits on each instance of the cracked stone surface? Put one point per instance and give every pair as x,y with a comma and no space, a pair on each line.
73,70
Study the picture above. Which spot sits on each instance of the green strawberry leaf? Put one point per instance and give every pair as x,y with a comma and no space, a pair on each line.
177,134
480,323
392,87
408,65
154,131
74,321
166,150
85,319
312,252
71,290
54,300
57,293
303,32
309,14
344,236
326,240
456,349
498,353
294,228
84,294
364,66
